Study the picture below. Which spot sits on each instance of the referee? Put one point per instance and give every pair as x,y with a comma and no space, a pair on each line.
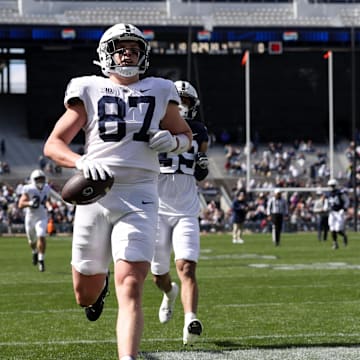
277,209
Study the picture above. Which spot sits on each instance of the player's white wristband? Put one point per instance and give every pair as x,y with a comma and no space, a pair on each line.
183,144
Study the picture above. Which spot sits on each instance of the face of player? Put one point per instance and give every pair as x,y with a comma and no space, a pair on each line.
184,107
127,53
40,182
186,101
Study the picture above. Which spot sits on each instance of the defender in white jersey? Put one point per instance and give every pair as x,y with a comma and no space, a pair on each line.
126,121
35,200
178,228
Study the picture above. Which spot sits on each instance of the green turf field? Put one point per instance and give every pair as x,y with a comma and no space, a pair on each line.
253,297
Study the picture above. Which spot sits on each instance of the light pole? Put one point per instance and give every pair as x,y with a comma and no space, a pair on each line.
353,123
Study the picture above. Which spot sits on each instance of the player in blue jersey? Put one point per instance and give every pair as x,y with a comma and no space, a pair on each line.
338,204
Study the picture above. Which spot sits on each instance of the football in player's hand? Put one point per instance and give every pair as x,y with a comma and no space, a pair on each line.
81,191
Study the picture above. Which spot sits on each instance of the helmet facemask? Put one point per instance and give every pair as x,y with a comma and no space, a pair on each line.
184,111
38,179
39,182
109,47
115,54
189,99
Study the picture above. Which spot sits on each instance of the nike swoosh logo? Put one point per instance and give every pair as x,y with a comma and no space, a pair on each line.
147,202
144,90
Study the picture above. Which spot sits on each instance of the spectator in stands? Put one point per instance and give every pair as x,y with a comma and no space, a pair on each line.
2,147
259,215
121,225
212,218
178,224
321,211
205,220
42,162
277,211
232,158
225,137
351,151
239,209
4,167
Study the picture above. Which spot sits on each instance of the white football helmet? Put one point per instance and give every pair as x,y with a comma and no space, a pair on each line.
185,89
107,48
38,178
332,182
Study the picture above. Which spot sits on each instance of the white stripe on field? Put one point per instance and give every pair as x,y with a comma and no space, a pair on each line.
162,339
289,303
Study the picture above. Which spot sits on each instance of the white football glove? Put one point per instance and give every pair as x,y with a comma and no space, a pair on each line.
162,141
93,169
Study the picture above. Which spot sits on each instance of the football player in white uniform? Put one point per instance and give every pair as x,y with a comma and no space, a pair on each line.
338,204
178,227
126,121
35,200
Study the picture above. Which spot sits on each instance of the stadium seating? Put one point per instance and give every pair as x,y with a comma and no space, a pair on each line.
207,13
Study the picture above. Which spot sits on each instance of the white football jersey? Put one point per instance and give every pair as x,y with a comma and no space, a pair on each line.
120,117
178,192
40,197
178,195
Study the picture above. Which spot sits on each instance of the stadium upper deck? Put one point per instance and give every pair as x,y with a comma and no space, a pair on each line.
209,14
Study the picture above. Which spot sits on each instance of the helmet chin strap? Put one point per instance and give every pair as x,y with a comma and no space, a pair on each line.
129,71
126,71
40,186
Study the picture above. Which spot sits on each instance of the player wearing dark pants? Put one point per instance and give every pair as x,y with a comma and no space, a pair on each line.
277,209
338,203
277,223
323,226
321,210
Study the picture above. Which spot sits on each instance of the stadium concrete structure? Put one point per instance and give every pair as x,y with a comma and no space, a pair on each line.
208,14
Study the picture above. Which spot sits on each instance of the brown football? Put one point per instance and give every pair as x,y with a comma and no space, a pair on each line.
81,191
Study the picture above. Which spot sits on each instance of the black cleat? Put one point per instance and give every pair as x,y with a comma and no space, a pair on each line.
94,311
192,332
41,266
34,258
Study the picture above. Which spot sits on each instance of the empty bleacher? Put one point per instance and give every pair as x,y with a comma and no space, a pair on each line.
22,153
209,13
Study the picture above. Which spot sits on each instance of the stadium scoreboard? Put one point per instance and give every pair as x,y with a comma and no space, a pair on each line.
197,47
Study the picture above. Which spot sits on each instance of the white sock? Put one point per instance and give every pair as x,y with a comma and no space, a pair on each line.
127,357
170,294
41,257
189,316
